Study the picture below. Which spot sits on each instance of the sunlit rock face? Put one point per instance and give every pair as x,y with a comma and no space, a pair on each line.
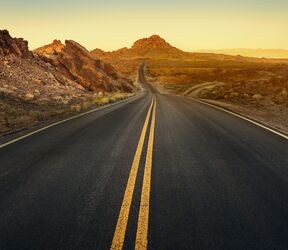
74,61
91,73
51,49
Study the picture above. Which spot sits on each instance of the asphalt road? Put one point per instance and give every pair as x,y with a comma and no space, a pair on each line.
156,172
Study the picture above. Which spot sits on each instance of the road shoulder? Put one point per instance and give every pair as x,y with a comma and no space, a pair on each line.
25,132
251,114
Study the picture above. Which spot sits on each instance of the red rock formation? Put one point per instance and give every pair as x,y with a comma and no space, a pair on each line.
75,61
16,46
51,49
152,47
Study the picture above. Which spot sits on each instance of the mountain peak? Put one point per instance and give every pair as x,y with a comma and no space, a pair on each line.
151,47
154,41
55,41
156,38
53,48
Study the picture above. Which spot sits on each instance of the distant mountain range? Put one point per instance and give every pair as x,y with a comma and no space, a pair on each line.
267,53
155,47
151,47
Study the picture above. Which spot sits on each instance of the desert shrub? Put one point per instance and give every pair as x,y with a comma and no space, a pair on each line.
36,115
55,113
75,108
114,99
104,100
101,100
117,97
110,98
85,106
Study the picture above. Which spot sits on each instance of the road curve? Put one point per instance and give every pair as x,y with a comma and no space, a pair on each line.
156,172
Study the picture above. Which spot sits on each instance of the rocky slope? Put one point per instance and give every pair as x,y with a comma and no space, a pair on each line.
30,89
34,90
76,63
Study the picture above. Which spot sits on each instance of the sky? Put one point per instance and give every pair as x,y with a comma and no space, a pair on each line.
112,24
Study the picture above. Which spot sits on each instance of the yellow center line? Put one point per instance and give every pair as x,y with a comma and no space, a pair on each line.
119,234
143,219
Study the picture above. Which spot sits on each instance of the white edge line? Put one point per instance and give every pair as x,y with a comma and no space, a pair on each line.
242,117
65,120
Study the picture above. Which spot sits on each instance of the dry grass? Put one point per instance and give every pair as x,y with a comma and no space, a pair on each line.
75,108
101,100
15,115
110,98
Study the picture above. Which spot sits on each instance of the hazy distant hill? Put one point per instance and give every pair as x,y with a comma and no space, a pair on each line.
156,48
157,51
268,53
151,47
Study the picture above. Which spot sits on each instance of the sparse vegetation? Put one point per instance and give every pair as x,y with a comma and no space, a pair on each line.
35,89
256,89
17,115
76,108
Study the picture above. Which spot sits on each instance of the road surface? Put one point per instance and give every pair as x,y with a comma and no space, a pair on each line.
154,172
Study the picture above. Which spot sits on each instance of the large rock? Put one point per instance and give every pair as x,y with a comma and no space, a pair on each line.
75,61
16,46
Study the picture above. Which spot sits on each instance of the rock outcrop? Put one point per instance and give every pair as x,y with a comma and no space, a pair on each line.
15,46
76,63
32,90
51,49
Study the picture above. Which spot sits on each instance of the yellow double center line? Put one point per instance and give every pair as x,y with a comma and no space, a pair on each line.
142,228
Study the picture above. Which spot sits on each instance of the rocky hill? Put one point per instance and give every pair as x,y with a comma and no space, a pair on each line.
155,50
56,81
155,46
152,47
76,63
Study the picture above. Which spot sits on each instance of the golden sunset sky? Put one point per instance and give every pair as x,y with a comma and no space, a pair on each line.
111,24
